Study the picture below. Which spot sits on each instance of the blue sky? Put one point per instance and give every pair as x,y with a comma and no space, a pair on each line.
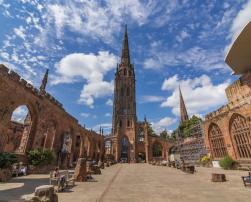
172,42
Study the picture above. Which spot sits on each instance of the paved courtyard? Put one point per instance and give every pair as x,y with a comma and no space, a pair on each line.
141,182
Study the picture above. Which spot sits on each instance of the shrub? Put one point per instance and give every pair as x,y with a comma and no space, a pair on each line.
39,157
227,163
7,159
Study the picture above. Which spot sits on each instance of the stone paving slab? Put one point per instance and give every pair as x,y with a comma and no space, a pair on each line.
142,182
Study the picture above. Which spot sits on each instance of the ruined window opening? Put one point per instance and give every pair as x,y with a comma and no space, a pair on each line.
240,131
216,139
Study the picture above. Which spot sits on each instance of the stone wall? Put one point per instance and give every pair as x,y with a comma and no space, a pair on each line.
50,123
233,122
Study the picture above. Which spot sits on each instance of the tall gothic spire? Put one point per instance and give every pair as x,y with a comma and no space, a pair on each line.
183,110
44,81
125,55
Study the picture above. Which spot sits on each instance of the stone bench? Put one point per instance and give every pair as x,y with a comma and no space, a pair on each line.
42,193
55,181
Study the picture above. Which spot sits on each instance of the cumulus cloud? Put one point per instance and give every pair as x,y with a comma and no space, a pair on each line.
85,115
105,126
109,102
199,93
88,67
163,124
19,114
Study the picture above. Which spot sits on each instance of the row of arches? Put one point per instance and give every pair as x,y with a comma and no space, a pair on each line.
240,136
25,133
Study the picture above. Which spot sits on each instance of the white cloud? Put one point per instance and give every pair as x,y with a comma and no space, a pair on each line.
163,124
95,19
105,126
108,115
109,102
195,57
241,19
20,31
90,68
182,35
199,93
151,98
19,114
85,115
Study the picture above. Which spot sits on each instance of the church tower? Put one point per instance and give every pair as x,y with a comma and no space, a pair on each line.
124,118
183,110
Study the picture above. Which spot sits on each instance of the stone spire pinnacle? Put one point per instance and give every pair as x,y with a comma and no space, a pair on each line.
125,55
44,81
183,110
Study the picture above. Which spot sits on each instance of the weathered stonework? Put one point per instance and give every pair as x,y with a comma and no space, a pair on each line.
49,123
228,129
129,140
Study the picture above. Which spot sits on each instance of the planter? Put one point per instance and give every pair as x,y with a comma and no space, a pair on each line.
5,174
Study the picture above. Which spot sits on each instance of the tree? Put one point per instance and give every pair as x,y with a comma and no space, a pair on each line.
186,127
150,130
164,135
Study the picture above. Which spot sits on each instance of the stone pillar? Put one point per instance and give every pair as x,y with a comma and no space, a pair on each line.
146,143
80,170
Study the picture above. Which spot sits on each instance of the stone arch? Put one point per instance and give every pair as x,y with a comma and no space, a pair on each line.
28,127
125,148
157,149
216,141
240,132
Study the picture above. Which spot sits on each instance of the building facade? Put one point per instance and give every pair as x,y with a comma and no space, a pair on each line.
47,125
228,129
129,140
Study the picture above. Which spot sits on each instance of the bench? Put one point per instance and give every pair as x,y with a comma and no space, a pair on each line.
69,179
247,179
188,169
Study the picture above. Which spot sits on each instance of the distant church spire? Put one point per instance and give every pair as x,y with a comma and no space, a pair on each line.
183,110
125,55
44,81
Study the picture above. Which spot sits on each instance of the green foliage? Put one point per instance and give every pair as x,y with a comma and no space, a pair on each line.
40,157
7,159
227,163
150,130
164,135
187,126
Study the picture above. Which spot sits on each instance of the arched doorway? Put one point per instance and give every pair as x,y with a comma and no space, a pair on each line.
19,130
157,150
216,141
125,149
240,133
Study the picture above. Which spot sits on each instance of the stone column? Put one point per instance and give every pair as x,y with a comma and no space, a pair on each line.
146,143
80,170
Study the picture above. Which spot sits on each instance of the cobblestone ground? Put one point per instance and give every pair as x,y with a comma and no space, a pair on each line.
142,182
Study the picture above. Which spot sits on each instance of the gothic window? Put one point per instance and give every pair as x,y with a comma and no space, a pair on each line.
125,72
127,91
240,132
157,150
216,140
130,73
120,123
128,123
78,141
122,91
141,135
129,106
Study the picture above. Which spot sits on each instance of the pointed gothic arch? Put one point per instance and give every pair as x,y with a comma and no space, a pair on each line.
216,140
240,132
